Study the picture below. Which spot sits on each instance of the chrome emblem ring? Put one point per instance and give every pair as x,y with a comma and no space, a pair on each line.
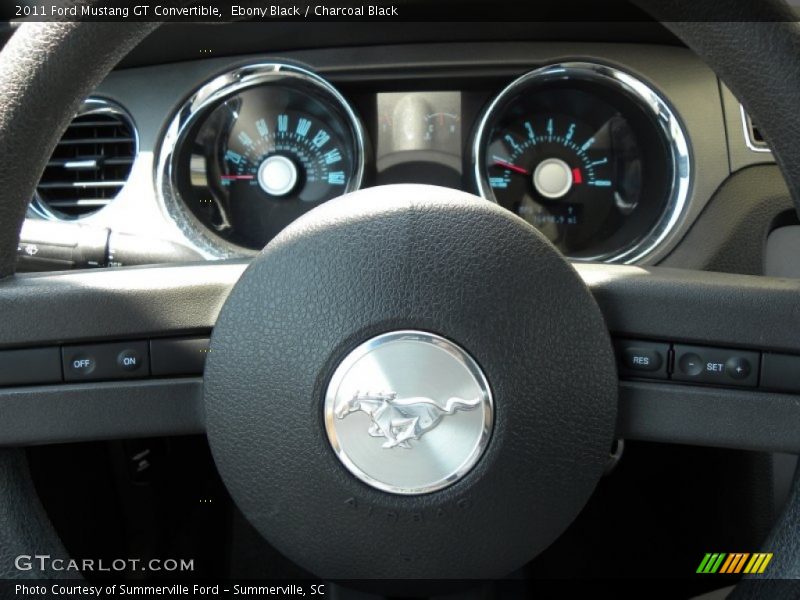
409,412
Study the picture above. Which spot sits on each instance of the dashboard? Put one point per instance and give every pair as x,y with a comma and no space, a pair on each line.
624,152
610,154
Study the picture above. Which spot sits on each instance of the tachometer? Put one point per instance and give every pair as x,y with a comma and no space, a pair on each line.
589,156
258,148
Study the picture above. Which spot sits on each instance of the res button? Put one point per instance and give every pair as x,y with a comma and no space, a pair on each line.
642,359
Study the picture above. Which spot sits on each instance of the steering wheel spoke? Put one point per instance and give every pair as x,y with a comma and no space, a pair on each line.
679,307
665,305
101,411
56,310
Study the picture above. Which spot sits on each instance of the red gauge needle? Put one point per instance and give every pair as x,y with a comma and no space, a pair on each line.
234,177
511,167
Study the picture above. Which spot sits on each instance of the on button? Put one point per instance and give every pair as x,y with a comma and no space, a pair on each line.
130,360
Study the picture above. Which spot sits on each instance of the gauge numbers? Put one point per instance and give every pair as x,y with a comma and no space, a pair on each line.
552,170
285,155
261,156
582,157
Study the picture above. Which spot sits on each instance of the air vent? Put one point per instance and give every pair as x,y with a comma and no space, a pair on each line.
752,136
90,164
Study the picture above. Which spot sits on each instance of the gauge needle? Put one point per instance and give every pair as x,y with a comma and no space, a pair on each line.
234,177
511,167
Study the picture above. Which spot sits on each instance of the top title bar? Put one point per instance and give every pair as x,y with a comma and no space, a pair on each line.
217,11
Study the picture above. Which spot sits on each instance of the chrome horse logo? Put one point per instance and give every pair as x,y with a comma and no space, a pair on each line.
400,421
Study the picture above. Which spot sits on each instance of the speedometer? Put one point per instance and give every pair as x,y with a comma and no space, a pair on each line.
277,154
588,155
254,150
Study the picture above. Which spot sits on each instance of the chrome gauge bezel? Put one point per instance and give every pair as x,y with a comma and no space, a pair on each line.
205,100
669,127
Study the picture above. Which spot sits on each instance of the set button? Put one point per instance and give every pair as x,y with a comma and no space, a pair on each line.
718,366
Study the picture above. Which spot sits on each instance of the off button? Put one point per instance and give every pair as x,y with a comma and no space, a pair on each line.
82,365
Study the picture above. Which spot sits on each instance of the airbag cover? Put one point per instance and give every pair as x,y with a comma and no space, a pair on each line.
426,259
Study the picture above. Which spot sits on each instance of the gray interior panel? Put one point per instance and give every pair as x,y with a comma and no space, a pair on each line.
730,234
783,252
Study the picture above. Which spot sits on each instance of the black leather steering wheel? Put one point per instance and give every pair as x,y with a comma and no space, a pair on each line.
46,70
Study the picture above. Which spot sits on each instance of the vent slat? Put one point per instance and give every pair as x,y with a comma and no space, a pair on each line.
98,160
97,140
89,166
90,202
78,124
61,185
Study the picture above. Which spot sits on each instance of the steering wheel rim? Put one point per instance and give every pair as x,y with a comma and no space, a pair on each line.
43,61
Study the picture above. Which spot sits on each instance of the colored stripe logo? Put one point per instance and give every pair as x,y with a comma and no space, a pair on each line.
734,563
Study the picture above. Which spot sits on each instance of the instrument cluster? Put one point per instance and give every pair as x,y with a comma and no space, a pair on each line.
590,155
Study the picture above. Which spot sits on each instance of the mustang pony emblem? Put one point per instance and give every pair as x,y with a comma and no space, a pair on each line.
400,421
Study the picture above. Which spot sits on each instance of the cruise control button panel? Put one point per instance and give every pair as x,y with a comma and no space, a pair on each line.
96,362
708,365
717,366
109,361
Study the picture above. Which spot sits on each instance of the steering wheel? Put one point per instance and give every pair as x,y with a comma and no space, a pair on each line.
455,279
